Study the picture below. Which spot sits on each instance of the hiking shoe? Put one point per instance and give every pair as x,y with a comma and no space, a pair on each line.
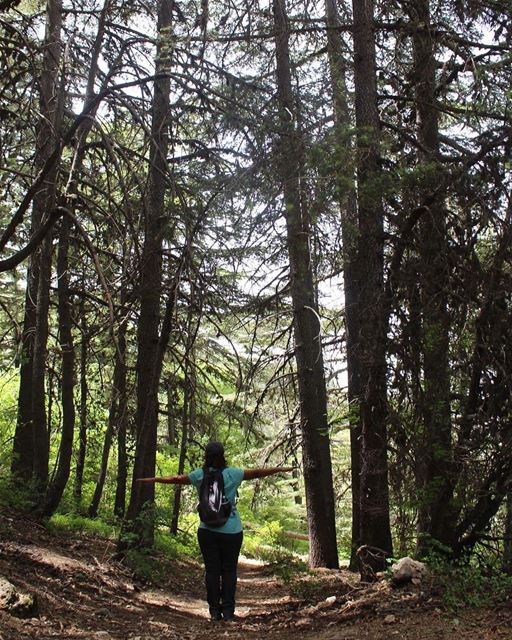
230,617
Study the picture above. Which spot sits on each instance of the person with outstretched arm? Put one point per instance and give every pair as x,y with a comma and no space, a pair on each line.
220,545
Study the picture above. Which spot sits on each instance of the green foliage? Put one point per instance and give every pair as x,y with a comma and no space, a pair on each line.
182,545
63,523
145,565
467,583
17,496
283,563
257,541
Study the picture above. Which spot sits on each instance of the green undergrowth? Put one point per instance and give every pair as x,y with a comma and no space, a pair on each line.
265,542
468,583
66,523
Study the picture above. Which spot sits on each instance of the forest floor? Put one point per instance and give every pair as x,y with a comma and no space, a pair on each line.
83,593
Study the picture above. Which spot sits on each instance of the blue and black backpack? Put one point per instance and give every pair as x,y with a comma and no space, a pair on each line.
214,508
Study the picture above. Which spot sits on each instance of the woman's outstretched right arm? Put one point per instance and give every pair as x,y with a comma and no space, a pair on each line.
166,480
252,474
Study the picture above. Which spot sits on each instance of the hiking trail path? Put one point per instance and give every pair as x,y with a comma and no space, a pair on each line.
83,593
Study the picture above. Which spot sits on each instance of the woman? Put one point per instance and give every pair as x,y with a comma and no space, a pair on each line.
220,546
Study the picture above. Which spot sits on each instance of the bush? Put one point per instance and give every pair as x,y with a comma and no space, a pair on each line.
61,523
468,583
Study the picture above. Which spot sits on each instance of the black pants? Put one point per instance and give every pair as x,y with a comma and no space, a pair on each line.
220,553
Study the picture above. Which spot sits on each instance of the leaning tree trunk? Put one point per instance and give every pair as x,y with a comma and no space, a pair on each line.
308,347
56,489
435,519
375,525
150,289
30,450
351,280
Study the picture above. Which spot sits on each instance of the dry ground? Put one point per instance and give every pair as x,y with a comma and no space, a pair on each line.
83,593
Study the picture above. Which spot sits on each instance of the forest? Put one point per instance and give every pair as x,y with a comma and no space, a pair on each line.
281,224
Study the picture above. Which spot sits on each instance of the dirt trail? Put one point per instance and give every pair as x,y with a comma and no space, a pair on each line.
83,594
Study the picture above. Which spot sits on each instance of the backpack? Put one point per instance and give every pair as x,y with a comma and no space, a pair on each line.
214,508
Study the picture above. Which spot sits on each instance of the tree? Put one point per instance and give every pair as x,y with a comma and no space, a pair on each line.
31,447
346,193
369,273
150,284
307,330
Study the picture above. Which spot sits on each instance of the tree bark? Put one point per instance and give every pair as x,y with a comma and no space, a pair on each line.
171,418
56,489
58,484
307,330
375,528
507,546
44,203
27,460
115,417
122,455
346,195
189,406
435,519
150,288
82,429
187,422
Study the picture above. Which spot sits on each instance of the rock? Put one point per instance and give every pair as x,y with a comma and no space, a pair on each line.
330,600
390,619
15,602
408,570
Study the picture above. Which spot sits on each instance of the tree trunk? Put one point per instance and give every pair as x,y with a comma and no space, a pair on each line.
122,456
55,491
114,417
374,493
171,419
30,451
23,447
44,201
307,330
188,410
507,547
148,366
82,430
434,518
351,280
58,484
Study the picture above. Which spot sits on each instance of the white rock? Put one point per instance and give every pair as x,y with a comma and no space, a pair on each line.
408,570
390,619
16,602
331,599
